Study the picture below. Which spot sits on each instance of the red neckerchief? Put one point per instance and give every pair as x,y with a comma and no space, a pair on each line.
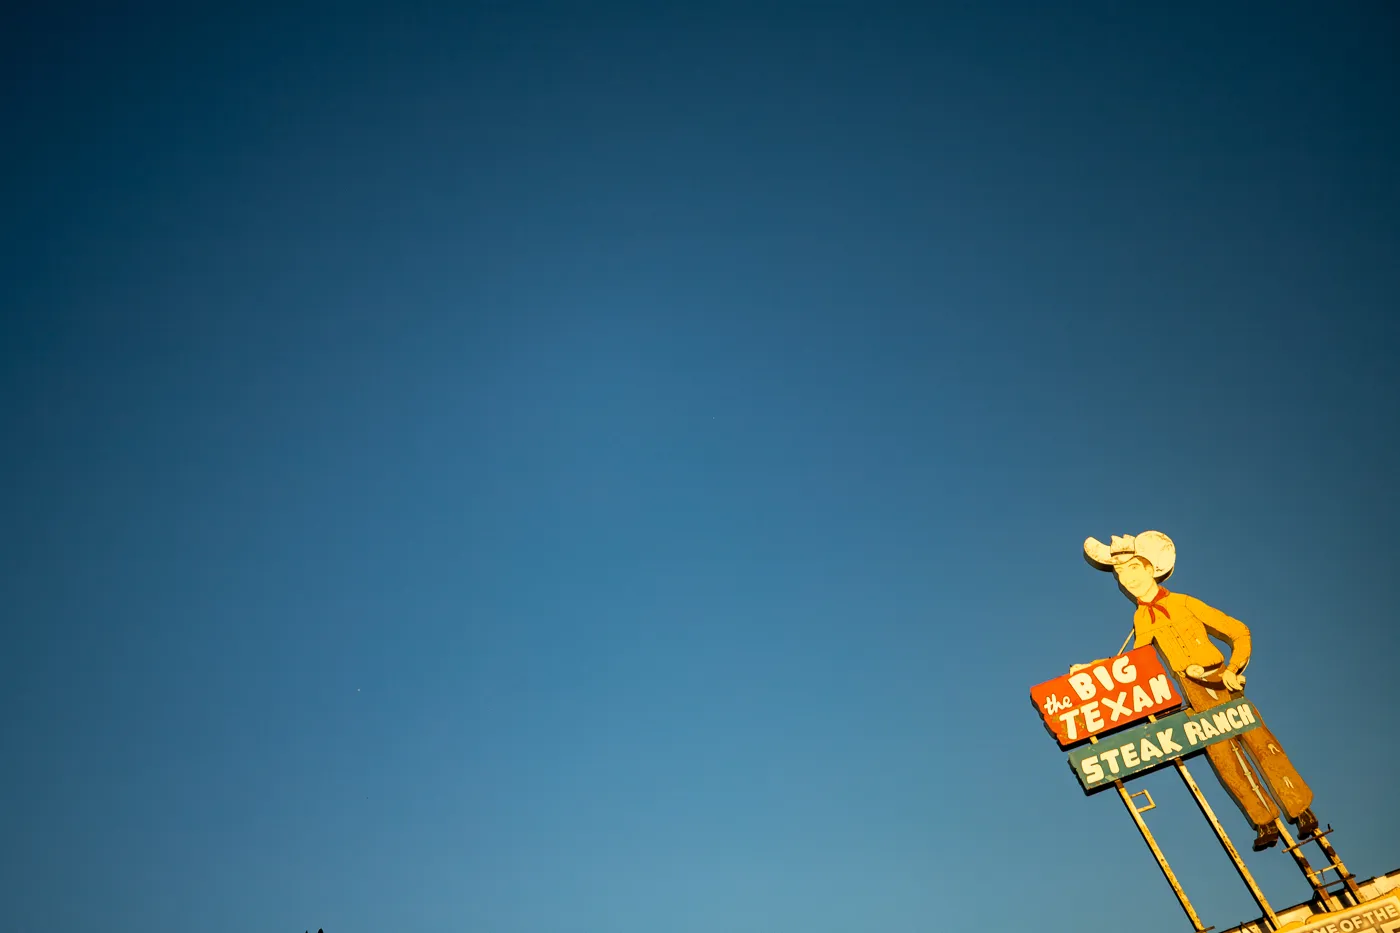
1154,605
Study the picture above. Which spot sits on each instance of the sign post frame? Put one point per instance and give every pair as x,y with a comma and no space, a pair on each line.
1254,890
1160,856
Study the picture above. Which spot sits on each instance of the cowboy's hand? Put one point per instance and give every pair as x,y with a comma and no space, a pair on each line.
1232,681
1195,672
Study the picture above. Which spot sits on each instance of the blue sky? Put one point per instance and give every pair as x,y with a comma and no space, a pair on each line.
619,469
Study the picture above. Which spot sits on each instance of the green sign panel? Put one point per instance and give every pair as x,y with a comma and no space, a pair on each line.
1132,751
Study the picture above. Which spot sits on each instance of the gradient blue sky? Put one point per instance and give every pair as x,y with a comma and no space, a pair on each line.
619,468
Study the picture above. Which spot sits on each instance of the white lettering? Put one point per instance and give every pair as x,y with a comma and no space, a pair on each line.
1068,719
1222,723
1092,720
1233,715
1123,670
1207,729
1102,674
1092,772
1247,714
1164,738
1141,700
1117,706
1150,751
1110,755
1193,732
1083,685
1161,688
1130,756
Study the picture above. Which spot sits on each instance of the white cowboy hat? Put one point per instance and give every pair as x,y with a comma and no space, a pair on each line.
1153,546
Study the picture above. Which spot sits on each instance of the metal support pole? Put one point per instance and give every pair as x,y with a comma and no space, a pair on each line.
1226,844
1326,846
1326,899
1161,859
1162,863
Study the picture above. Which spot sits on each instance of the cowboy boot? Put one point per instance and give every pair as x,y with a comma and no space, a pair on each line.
1306,823
1267,838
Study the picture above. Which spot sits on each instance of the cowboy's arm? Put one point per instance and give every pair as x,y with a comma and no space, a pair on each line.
1141,636
1227,629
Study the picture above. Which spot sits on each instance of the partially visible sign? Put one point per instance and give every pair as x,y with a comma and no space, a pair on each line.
1142,747
1107,696
1381,915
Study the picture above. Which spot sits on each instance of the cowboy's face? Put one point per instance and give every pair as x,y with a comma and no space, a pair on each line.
1135,578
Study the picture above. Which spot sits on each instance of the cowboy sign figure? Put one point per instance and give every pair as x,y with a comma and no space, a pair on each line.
1180,626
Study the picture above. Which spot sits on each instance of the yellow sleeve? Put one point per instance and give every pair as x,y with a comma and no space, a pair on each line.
1140,634
1227,629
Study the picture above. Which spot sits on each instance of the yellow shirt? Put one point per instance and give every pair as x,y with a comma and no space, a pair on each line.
1181,624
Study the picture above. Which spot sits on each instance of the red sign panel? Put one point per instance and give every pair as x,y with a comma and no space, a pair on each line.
1105,697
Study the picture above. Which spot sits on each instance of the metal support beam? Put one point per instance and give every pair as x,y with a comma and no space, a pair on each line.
1161,859
1162,862
1326,846
1326,899
1226,844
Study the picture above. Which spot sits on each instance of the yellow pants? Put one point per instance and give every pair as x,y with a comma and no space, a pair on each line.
1255,797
